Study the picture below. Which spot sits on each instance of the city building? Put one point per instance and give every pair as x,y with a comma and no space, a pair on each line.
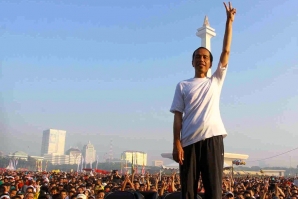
75,155
137,157
157,163
38,158
53,142
18,155
89,153
56,159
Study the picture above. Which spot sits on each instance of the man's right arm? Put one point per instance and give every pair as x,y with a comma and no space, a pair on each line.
178,154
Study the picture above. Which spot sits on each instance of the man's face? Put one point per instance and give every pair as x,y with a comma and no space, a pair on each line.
29,196
142,188
13,193
29,190
80,190
107,189
100,195
63,195
53,191
201,61
229,196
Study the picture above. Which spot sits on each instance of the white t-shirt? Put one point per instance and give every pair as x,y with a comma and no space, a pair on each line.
198,100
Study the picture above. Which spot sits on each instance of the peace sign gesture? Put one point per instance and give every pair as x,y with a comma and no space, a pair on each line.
230,11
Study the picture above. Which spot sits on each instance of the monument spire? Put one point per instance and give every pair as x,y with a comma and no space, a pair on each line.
206,33
206,22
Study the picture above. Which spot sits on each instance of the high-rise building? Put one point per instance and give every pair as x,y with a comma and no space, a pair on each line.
53,141
75,155
89,153
138,157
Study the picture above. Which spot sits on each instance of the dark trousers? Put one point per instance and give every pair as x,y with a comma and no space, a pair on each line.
203,158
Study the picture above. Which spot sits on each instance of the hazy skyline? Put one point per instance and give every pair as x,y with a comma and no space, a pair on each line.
105,70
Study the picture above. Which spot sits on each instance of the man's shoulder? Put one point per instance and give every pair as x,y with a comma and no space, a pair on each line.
185,82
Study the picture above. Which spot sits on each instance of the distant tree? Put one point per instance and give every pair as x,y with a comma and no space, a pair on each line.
31,164
4,162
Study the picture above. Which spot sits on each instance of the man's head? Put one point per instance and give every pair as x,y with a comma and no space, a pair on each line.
202,60
142,187
229,195
107,189
100,195
4,196
54,190
81,196
247,194
63,194
60,187
136,185
29,190
29,196
13,193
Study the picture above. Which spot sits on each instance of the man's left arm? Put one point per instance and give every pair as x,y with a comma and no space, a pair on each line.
224,58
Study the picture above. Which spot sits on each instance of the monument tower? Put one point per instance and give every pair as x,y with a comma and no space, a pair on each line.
206,33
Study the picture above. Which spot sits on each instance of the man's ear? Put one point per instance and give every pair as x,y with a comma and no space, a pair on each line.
192,63
210,65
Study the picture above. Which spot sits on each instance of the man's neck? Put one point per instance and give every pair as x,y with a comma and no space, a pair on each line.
200,75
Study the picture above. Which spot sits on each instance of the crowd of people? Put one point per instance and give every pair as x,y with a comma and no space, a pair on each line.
73,185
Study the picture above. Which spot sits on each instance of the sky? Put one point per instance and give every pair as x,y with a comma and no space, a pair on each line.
106,72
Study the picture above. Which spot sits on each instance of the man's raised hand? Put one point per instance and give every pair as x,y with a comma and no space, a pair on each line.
230,11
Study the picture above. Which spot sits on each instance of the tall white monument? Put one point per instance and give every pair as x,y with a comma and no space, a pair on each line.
206,33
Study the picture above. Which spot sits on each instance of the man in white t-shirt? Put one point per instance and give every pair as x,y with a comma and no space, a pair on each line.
198,128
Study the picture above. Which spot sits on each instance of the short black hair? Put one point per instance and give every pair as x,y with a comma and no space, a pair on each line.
211,56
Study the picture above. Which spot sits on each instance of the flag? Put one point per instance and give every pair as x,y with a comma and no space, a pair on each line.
132,166
96,161
40,166
125,166
82,163
16,163
136,165
46,165
143,168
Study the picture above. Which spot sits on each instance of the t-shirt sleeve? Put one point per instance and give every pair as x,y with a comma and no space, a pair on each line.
178,102
220,73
